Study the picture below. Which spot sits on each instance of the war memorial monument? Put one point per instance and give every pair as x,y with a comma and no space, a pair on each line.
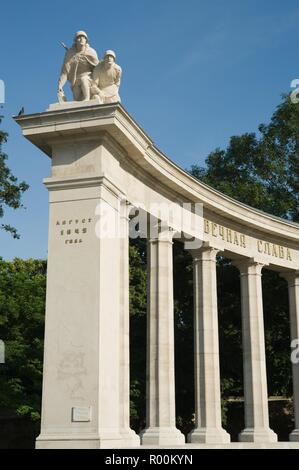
103,165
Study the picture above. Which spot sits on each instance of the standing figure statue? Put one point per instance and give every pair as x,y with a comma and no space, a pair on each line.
79,63
106,79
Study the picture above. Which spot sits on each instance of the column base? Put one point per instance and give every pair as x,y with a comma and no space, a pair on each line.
79,441
129,438
162,436
294,436
261,435
208,436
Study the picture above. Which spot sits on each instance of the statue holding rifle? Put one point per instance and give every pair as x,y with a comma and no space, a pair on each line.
89,77
78,65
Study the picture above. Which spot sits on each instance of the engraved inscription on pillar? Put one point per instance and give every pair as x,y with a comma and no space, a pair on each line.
73,231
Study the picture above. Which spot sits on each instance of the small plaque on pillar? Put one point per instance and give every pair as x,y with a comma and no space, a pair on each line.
81,414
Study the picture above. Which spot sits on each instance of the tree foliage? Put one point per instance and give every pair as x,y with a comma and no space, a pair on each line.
22,309
10,190
261,170
138,277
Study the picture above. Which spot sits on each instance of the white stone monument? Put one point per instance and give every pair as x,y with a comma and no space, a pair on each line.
101,161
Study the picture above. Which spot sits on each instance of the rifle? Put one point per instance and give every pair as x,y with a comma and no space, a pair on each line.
63,45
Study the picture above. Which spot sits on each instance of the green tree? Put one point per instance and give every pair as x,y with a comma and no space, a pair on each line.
22,309
261,170
184,348
10,190
138,276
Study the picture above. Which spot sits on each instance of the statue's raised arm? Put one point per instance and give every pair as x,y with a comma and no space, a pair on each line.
79,63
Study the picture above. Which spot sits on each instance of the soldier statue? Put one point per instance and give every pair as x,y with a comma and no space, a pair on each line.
89,77
79,63
106,79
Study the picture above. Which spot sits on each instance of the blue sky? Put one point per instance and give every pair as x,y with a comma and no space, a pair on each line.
195,72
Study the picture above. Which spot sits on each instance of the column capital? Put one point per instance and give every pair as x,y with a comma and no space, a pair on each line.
248,266
125,207
54,183
165,235
204,253
292,277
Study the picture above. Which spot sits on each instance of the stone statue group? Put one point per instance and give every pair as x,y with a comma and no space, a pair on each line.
89,77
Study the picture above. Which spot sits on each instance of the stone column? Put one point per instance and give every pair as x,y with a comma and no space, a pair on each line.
254,358
85,401
129,437
81,405
293,285
160,426
208,427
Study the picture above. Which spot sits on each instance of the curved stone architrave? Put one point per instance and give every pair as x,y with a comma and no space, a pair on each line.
172,183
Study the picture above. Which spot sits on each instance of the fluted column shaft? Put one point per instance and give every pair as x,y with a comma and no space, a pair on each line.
293,286
160,425
254,358
129,437
208,426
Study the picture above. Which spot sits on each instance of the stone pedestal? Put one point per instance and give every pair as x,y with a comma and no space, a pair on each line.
208,427
160,421
254,359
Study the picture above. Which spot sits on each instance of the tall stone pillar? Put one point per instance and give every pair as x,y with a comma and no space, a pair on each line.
82,400
293,285
160,426
254,358
85,402
208,426
129,437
